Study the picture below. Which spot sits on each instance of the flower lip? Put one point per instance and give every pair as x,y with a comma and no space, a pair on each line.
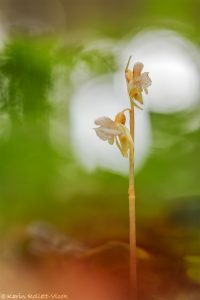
108,131
115,131
107,128
105,133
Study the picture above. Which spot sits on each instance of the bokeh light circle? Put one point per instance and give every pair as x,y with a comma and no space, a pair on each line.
92,100
173,63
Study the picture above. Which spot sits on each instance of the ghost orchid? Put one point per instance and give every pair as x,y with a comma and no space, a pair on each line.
137,82
115,131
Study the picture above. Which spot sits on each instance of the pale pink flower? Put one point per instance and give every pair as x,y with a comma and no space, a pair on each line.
114,131
137,82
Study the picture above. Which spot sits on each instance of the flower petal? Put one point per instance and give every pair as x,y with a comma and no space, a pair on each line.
110,132
137,69
100,134
145,80
129,137
119,146
125,132
124,145
106,133
138,97
135,92
136,105
125,139
105,122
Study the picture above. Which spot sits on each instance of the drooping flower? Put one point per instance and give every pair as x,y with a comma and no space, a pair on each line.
115,131
137,82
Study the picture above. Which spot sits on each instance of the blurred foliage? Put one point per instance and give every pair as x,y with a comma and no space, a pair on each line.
172,169
37,182
32,184
26,66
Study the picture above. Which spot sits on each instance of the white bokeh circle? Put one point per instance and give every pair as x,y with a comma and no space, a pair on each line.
173,63
92,100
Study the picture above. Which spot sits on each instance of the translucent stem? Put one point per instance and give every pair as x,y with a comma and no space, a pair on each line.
132,219
131,193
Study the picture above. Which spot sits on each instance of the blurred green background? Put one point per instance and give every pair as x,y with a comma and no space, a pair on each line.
43,44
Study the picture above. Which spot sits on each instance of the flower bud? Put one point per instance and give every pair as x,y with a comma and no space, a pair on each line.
120,118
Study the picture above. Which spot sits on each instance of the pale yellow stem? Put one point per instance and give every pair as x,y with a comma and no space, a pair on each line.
132,218
131,193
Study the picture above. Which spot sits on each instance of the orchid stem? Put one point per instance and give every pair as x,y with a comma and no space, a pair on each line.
132,218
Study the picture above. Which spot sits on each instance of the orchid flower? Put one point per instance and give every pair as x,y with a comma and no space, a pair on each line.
115,131
137,82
